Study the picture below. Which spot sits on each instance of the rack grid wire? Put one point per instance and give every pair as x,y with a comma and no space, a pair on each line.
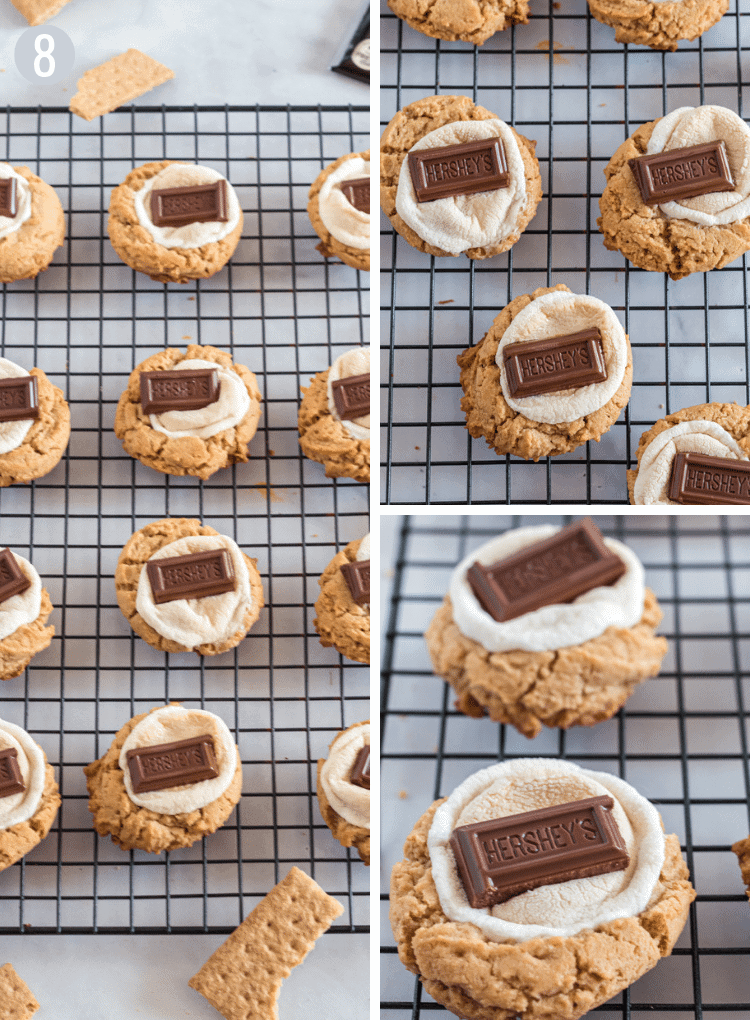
681,739
563,81
285,312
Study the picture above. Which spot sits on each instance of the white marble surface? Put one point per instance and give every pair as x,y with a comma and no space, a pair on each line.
228,51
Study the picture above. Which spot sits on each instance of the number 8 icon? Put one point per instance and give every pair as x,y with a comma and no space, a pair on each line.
44,55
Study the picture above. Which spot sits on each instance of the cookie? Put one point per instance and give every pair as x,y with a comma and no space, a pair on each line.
15,995
27,814
558,950
32,224
552,423
341,444
124,77
25,608
172,254
472,21
742,849
345,806
716,430
37,12
692,235
558,665
195,442
242,979
478,225
343,228
341,621
31,447
661,24
164,817
207,624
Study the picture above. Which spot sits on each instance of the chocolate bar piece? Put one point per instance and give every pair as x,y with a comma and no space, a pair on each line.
697,479
462,169
683,173
11,780
504,857
186,389
357,192
199,203
557,570
360,775
180,763
19,398
357,577
192,576
557,363
9,197
13,581
351,396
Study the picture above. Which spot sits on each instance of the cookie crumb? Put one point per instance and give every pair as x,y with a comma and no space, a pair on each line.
106,87
16,998
447,301
403,795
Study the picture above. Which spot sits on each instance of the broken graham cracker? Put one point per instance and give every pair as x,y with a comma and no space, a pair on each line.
16,1001
742,849
104,88
243,977
38,11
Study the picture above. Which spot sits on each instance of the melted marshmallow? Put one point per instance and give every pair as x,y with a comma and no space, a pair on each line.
25,607
341,219
192,235
13,433
19,807
225,413
351,802
353,362
10,225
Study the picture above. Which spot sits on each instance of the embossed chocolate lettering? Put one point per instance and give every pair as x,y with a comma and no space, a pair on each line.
180,763
192,576
19,398
11,780
351,396
697,479
357,577
556,363
186,389
683,173
357,193
13,581
200,203
463,169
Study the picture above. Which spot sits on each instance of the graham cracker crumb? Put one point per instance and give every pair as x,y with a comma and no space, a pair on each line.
16,1001
38,11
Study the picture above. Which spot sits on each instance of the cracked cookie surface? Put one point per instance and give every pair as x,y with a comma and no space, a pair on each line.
542,978
325,440
489,416
414,122
346,833
651,240
331,247
134,827
658,25
185,455
340,622
29,250
16,841
20,647
46,440
139,548
471,21
576,686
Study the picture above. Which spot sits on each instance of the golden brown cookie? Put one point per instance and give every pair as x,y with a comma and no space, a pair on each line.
18,840
28,251
733,418
414,122
185,455
331,247
576,686
742,849
325,440
132,826
15,995
658,25
340,622
20,647
46,440
139,548
471,21
506,430
538,979
137,248
651,240
345,832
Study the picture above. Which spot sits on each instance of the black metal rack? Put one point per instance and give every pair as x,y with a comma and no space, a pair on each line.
563,81
284,311
681,739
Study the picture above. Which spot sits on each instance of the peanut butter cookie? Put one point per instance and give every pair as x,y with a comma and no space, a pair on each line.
26,816
346,807
472,21
343,229
340,620
32,224
661,25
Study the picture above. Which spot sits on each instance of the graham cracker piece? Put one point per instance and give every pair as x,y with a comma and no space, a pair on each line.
125,77
243,977
742,849
38,11
16,1001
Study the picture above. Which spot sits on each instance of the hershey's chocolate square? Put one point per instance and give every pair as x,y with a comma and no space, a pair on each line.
357,577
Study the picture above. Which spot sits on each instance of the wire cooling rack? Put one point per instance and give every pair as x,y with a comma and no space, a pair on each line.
681,739
689,338
285,312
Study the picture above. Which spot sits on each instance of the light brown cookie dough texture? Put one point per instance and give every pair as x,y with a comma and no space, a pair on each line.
340,622
330,247
137,248
651,240
186,455
15,995
489,416
414,122
732,417
20,647
28,251
576,686
37,12
658,25
471,21
325,440
133,827
19,839
346,833
46,440
541,978
742,849
139,548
